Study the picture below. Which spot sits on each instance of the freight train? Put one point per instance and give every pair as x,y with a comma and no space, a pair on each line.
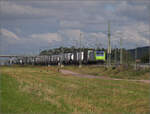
85,57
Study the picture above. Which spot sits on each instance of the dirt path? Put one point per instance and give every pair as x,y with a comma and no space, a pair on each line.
68,72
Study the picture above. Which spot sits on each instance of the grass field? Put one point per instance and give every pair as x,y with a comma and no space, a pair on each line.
36,89
119,72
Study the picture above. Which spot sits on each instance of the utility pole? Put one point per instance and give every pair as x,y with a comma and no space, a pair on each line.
97,44
76,44
80,61
149,50
109,47
61,59
115,55
126,55
121,51
135,56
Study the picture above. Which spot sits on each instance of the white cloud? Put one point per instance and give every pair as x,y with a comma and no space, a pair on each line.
10,8
72,18
71,37
132,35
71,24
8,34
94,40
13,10
8,40
48,37
137,11
70,34
11,37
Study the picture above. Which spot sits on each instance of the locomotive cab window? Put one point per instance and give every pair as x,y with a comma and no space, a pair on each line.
99,53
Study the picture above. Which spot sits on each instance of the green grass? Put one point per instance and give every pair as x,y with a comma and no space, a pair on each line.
120,72
44,90
15,101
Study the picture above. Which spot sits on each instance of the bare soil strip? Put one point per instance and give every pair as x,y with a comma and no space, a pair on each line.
68,72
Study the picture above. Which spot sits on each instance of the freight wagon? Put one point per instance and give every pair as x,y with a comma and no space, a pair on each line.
86,57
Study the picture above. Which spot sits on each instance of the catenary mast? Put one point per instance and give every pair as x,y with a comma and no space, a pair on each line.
109,47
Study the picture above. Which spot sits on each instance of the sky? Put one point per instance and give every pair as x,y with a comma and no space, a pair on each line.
27,27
